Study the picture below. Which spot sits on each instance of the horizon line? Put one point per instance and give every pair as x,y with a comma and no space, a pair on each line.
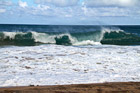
73,24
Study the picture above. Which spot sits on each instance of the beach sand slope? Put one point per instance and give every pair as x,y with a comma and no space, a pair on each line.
117,87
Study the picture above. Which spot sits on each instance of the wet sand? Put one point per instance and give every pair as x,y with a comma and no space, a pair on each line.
118,87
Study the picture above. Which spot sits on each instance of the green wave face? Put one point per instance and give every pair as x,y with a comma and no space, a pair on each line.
121,38
14,38
31,35
80,38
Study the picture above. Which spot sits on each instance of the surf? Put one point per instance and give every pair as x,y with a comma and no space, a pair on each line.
105,36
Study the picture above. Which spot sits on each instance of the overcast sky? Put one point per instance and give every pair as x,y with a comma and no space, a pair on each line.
70,12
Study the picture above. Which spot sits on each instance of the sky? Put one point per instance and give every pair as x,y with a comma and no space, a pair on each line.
70,12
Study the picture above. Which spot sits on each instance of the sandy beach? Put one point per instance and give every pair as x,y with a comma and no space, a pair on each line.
117,87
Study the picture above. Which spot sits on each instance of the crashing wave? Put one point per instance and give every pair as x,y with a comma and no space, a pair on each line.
114,36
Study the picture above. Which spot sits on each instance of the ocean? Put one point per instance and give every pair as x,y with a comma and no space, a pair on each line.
30,35
68,54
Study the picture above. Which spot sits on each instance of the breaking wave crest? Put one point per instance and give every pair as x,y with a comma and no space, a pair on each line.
105,36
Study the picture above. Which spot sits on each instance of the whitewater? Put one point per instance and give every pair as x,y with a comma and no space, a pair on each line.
57,64
56,55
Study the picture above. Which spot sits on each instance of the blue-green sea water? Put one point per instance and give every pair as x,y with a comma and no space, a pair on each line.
30,35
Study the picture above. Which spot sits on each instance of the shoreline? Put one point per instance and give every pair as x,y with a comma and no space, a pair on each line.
108,87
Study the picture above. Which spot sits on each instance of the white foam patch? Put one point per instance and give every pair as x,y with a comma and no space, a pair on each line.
87,42
55,65
113,29
12,35
43,37
46,38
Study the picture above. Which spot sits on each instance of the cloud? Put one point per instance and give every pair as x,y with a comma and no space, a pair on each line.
43,7
121,3
22,4
5,2
2,10
51,11
73,11
59,3
104,12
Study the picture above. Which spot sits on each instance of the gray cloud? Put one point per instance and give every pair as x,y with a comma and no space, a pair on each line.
2,10
59,3
120,3
5,2
106,11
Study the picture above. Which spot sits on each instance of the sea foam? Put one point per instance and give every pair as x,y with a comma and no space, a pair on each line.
57,64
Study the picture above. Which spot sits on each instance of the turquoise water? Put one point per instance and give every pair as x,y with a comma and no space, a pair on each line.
30,35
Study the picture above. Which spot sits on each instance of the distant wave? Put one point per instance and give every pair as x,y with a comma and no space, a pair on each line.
113,36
